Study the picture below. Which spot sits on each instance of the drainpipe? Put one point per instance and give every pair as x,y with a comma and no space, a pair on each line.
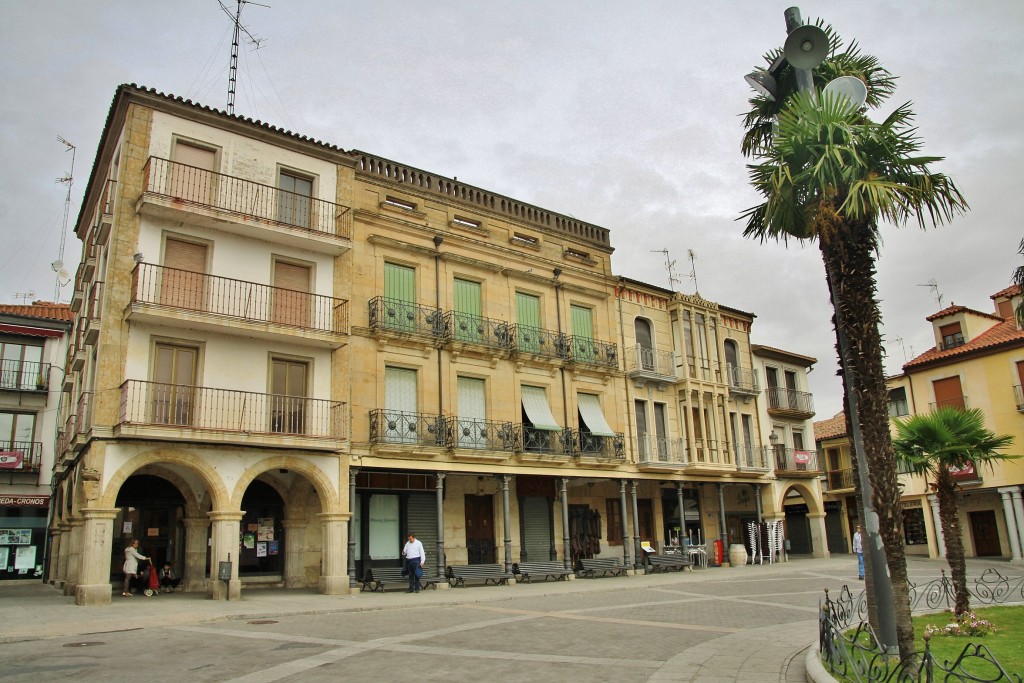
558,318
438,239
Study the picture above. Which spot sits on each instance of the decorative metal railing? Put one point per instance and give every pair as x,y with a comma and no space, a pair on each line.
780,398
654,450
1018,396
794,460
750,457
839,479
527,339
585,444
24,375
544,441
237,299
228,410
589,351
395,315
192,185
460,432
854,654
400,428
958,402
743,380
473,329
31,455
641,359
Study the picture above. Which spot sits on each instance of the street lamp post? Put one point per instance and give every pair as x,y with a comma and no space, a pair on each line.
802,44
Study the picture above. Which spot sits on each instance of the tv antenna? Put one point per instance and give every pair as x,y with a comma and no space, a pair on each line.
25,296
68,179
934,286
670,266
693,269
899,340
239,28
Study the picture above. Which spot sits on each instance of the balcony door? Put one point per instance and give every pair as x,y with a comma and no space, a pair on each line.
644,344
583,330
174,388
400,405
289,385
295,199
661,431
291,305
471,431
192,173
399,297
183,282
17,432
948,393
644,449
528,322
468,323
21,366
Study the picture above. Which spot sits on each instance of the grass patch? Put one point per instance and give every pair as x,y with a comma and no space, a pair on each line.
1006,644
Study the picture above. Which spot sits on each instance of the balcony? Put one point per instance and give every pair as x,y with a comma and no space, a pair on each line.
952,341
65,436
743,382
543,444
174,412
397,428
24,375
474,438
395,316
93,314
750,458
591,446
19,457
790,403
82,422
221,202
661,453
706,454
958,402
1018,397
587,351
839,480
463,328
794,462
106,218
539,342
646,364
221,304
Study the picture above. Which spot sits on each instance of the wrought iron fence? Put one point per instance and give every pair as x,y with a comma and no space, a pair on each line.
854,653
402,316
474,329
24,375
414,429
593,352
743,380
461,432
750,457
839,479
527,339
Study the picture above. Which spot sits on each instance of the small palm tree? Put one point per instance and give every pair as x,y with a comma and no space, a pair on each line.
1018,279
937,444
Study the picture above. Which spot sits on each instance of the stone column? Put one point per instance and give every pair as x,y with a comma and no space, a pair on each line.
334,579
226,525
295,552
566,541
682,515
819,542
638,560
353,474
1018,508
940,542
723,534
97,533
74,567
194,578
627,540
439,492
506,519
757,503
1012,523
61,575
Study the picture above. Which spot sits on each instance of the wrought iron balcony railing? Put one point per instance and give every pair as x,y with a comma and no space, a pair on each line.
836,480
192,185
793,460
83,414
461,432
229,410
742,380
400,428
66,434
395,315
544,441
30,452
644,361
473,329
660,450
537,340
958,402
952,341
227,298
587,351
790,400
587,445
24,375
750,457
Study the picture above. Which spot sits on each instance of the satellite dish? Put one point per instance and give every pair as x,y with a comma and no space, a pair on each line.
806,47
57,265
63,276
850,88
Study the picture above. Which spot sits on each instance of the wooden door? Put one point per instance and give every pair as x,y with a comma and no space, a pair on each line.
183,284
480,529
985,534
948,393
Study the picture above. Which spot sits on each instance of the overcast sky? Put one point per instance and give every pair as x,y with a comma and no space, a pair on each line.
623,114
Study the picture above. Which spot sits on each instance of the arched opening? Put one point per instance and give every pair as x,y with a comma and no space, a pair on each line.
262,529
798,525
644,343
731,360
151,509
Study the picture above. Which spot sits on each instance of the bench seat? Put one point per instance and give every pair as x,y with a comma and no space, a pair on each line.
380,577
528,571
488,573
664,563
592,566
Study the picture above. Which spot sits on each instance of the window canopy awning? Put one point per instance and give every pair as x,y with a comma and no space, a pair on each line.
590,411
535,403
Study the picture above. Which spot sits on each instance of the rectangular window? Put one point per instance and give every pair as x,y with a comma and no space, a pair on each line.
400,203
294,199
385,533
798,440
400,405
173,391
17,430
613,506
538,422
471,430
525,240
591,416
644,448
948,393
952,336
192,173
21,366
582,330
898,402
660,430
289,386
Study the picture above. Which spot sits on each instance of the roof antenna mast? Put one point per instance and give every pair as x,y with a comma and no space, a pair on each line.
233,71
69,179
670,266
934,286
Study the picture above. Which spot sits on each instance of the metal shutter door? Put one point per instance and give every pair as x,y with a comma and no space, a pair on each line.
421,519
537,539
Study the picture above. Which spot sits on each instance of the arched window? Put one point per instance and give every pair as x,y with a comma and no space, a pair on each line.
644,343
732,361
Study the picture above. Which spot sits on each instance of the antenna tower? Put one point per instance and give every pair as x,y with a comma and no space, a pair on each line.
670,266
69,180
239,28
25,296
693,269
934,286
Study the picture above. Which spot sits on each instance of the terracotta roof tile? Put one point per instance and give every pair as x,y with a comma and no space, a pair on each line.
1005,332
950,310
831,428
1012,290
46,310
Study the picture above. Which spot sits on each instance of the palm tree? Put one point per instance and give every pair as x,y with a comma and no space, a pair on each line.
829,174
1018,280
937,444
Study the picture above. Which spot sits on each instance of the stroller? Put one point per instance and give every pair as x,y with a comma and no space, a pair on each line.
153,581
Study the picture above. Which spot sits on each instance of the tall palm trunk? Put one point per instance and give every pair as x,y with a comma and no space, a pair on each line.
949,517
848,250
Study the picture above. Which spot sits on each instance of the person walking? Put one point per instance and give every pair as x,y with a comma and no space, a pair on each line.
132,556
858,548
415,557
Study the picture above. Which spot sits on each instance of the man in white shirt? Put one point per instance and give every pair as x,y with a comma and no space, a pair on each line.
858,549
415,557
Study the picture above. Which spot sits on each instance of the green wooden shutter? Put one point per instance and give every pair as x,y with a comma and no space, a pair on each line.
400,297
471,432
528,320
468,311
582,330
400,405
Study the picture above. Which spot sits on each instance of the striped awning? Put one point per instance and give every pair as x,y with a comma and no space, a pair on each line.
535,403
30,331
590,411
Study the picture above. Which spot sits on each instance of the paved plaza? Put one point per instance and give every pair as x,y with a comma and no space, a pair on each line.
751,623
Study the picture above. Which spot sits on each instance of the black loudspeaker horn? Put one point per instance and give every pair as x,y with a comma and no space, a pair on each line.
806,47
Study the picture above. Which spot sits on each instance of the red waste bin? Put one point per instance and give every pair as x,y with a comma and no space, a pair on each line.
719,552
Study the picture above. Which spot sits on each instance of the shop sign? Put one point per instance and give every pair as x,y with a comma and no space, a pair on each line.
25,501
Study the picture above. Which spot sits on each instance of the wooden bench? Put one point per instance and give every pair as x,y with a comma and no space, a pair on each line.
605,565
488,573
661,563
380,577
528,571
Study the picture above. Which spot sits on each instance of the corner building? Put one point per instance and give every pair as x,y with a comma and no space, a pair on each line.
297,354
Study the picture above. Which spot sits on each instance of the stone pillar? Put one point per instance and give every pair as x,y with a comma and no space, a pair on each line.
74,567
638,560
940,541
225,528
819,541
507,521
682,515
1012,523
62,559
439,492
566,541
1018,508
757,502
97,533
194,578
723,534
295,552
334,579
50,575
627,540
353,474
